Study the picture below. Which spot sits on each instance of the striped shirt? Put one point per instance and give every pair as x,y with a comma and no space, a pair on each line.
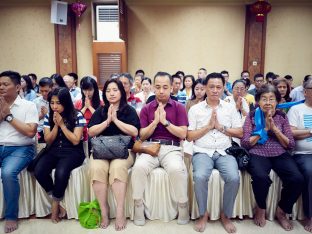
80,121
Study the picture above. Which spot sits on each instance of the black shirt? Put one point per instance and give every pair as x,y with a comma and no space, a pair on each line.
127,115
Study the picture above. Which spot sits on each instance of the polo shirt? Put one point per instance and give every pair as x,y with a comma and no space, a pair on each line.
175,114
26,112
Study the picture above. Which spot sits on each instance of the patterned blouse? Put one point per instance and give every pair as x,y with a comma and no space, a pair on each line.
272,147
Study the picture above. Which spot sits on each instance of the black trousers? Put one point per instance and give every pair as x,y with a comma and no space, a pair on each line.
64,160
304,162
287,170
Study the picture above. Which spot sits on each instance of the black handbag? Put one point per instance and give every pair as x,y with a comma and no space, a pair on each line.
241,154
110,147
31,166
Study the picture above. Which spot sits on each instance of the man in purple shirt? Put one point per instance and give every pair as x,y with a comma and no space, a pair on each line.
165,121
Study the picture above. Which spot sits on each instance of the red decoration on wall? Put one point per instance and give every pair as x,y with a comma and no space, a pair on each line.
78,8
260,8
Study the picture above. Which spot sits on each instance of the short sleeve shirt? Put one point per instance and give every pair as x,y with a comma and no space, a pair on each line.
26,112
175,114
300,116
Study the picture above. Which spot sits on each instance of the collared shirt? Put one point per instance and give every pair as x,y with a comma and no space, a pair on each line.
75,94
199,116
297,94
26,112
39,101
175,114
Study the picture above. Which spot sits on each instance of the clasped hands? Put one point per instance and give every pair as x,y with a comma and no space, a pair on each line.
214,123
160,115
269,122
111,114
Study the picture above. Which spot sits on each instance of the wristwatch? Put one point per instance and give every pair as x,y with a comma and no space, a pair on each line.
167,124
8,118
224,129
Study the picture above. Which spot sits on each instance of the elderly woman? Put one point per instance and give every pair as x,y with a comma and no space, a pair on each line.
115,118
268,137
238,100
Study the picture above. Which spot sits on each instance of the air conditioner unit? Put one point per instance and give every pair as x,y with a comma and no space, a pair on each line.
107,23
59,12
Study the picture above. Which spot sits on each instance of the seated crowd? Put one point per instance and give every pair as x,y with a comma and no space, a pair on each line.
270,119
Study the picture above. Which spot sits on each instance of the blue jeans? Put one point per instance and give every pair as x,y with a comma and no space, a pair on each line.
203,165
13,159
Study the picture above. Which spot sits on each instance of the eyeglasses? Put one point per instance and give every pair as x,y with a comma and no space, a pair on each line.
271,100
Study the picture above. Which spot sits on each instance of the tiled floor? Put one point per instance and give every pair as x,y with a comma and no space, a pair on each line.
44,226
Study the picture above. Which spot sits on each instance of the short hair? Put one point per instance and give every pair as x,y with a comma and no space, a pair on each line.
180,72
15,77
247,82
288,77
148,79
128,76
224,72
307,83
270,75
176,76
214,75
140,71
45,81
258,75
204,69
74,75
307,77
245,71
33,76
268,88
160,73
239,81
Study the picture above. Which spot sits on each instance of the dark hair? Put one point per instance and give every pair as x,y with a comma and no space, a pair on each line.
45,81
180,73
123,99
69,114
29,85
258,75
140,71
288,77
239,81
148,79
58,80
175,76
128,76
86,83
160,73
307,77
224,72
198,81
213,76
184,78
15,77
75,76
270,75
33,76
268,88
247,82
276,82
245,71
204,69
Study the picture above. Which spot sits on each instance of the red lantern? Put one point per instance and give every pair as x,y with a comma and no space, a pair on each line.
260,8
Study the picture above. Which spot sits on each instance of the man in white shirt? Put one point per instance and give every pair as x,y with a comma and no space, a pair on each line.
18,124
297,94
212,123
300,120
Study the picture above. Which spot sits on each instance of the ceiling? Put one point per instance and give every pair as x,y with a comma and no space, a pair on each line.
163,2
